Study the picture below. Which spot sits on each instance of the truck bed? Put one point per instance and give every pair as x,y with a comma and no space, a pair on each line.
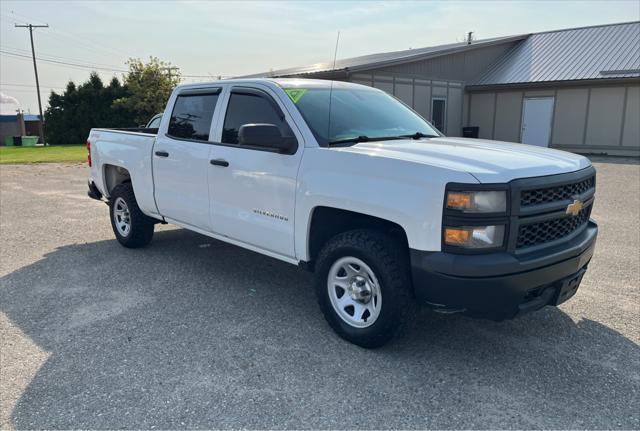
130,149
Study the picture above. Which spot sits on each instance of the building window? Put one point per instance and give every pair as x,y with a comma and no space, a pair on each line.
438,113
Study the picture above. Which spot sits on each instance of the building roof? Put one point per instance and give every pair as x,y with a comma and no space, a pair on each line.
386,58
599,52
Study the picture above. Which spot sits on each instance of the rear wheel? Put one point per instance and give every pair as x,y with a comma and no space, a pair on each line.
132,228
363,286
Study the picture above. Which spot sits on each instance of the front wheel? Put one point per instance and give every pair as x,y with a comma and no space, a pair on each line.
133,229
363,286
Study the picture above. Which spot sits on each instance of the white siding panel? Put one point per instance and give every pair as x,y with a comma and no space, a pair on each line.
631,132
571,111
404,92
422,101
383,83
508,117
357,81
481,113
605,116
439,91
454,112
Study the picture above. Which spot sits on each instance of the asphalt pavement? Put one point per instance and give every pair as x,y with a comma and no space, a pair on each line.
193,333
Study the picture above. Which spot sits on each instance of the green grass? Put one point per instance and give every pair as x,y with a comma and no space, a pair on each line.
49,154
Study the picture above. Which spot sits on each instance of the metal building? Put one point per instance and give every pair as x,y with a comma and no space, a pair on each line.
575,89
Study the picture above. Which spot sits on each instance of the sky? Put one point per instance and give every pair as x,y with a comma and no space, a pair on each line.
206,39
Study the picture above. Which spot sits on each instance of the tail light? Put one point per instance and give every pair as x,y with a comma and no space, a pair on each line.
89,152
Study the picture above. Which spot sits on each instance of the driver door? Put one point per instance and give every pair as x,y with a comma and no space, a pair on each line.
253,189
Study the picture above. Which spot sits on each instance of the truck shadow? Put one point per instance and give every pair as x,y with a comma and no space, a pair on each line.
192,332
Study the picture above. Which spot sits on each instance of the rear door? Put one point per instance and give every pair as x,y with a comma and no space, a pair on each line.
181,159
253,190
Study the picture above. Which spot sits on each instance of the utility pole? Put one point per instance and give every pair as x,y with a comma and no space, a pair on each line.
35,69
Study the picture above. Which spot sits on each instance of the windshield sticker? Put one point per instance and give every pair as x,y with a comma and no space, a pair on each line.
295,93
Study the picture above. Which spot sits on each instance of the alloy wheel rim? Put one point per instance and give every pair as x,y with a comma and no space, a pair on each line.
354,292
122,217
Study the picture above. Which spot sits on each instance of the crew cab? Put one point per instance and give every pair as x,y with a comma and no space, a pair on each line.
350,183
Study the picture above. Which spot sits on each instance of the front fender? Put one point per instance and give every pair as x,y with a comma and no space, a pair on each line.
407,193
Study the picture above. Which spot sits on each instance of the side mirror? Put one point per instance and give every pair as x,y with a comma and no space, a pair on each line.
265,136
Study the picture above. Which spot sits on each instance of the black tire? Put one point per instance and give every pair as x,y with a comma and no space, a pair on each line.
389,260
141,226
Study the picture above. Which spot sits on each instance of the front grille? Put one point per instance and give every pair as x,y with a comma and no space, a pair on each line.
551,230
557,193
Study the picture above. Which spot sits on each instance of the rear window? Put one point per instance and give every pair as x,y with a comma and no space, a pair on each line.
192,115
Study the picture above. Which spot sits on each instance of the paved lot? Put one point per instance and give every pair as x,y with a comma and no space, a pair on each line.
193,333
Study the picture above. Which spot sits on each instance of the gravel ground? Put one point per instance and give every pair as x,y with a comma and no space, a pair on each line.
193,333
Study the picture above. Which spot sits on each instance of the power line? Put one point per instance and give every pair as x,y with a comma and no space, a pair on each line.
35,69
45,56
7,84
65,63
93,66
91,46
22,90
77,40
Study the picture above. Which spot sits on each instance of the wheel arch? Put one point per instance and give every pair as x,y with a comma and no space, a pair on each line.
113,176
326,222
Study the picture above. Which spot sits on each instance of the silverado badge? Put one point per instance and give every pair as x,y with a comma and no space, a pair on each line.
574,208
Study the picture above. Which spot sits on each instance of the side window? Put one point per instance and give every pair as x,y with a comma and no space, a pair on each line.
192,115
154,123
251,108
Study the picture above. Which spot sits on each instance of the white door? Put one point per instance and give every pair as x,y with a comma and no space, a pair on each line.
537,114
181,160
253,190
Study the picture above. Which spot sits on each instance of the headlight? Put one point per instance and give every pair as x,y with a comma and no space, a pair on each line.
474,236
477,202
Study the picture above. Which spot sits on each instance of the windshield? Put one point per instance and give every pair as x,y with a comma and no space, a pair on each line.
357,115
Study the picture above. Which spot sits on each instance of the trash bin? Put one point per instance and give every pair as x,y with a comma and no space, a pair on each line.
471,132
17,141
29,141
8,141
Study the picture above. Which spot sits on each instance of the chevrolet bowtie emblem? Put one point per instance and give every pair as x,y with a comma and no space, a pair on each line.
574,208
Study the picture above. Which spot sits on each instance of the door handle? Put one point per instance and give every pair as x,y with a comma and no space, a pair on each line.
219,162
162,154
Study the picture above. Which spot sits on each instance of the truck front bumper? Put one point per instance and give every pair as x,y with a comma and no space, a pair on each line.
500,286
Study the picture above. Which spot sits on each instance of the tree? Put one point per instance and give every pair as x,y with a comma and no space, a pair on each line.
71,115
149,86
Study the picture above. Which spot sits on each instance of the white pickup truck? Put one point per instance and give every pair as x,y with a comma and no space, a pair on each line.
350,183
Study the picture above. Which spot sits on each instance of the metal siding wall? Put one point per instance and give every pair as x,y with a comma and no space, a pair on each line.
596,119
481,113
362,79
462,66
422,99
404,90
547,92
465,109
439,90
508,116
631,132
418,94
454,112
570,116
605,115
383,83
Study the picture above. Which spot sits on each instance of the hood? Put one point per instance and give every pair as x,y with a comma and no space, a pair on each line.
488,161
